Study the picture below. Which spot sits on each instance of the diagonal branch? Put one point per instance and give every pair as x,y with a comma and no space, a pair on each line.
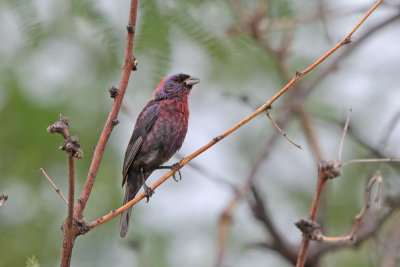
53,185
261,109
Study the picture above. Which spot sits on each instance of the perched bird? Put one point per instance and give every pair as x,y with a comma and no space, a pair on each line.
159,132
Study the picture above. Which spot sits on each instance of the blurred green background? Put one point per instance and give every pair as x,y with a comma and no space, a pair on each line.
61,56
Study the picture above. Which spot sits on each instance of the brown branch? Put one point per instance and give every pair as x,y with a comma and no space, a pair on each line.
392,246
3,199
214,141
278,242
71,190
53,185
72,147
129,64
320,185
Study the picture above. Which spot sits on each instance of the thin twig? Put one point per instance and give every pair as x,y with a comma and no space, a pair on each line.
53,185
370,160
281,131
261,109
344,135
3,199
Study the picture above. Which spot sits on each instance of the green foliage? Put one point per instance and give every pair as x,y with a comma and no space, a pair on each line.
28,19
32,262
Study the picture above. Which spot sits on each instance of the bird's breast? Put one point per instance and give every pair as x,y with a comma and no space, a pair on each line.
167,134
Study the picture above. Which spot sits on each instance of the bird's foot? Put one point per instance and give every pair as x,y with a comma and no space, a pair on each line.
174,167
149,192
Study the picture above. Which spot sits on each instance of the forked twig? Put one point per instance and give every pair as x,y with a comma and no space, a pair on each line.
312,231
53,185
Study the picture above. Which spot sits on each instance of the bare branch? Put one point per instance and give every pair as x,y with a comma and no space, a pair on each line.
344,135
281,131
53,185
370,160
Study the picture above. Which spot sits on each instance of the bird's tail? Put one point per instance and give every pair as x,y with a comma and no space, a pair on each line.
130,192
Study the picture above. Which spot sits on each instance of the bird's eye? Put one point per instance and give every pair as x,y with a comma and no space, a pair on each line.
176,79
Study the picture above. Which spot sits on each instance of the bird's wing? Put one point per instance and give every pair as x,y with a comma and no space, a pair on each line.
143,125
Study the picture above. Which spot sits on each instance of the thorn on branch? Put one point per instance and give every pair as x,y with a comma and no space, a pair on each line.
347,40
134,64
114,122
130,29
73,147
330,169
113,91
310,229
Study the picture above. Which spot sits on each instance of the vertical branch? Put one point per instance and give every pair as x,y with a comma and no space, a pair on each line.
71,170
304,244
129,65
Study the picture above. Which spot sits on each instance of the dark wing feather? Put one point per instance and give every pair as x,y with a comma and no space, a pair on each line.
143,125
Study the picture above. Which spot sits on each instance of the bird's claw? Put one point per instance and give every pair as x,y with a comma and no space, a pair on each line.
149,192
176,168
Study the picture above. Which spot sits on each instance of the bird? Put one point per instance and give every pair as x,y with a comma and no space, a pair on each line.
159,132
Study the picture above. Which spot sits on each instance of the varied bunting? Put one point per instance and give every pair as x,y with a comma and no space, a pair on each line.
159,132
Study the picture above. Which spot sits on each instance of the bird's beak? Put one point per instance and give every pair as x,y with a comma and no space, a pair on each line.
191,81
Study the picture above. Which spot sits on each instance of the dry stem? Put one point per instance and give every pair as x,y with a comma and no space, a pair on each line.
53,185
281,131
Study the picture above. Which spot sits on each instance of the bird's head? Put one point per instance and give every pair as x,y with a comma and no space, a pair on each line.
175,85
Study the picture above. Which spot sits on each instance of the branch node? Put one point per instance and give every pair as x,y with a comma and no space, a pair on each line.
114,122
310,229
81,200
298,73
113,91
60,126
330,169
72,147
217,138
347,40
130,28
